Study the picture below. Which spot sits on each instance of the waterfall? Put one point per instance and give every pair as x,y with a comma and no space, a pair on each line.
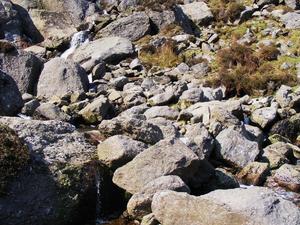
99,181
78,38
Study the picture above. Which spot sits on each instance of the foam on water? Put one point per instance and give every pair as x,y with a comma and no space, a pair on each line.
78,39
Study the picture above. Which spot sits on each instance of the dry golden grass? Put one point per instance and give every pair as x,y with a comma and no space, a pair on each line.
164,56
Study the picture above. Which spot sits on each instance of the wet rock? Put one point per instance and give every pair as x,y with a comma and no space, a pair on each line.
24,68
60,77
30,107
236,146
235,206
11,101
133,27
165,158
254,173
118,150
288,176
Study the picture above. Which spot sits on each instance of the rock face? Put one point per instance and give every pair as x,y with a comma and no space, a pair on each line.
10,97
236,207
236,147
118,150
27,71
60,174
60,77
165,158
198,12
108,49
133,27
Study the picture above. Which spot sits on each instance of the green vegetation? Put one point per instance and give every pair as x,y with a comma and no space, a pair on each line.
243,71
14,155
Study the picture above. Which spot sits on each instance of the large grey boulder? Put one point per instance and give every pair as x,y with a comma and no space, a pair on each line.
11,101
168,157
133,27
162,19
24,67
135,127
198,12
108,49
139,204
59,176
60,77
118,150
264,116
291,20
50,111
237,146
253,206
288,176
294,4
162,111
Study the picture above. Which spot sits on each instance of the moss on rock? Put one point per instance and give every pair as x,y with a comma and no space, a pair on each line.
13,155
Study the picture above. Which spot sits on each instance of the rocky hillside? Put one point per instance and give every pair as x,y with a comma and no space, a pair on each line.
149,112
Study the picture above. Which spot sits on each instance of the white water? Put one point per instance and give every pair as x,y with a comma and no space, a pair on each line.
78,39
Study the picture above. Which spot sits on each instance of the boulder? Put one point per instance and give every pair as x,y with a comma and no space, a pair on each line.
264,116
50,111
236,146
24,67
254,173
132,27
139,204
291,20
288,176
96,111
60,77
11,101
167,127
283,96
135,127
59,176
110,49
161,111
168,157
118,150
162,19
294,4
279,153
198,12
236,207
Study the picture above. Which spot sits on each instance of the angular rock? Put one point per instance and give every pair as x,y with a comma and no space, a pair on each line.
198,12
11,101
135,127
283,96
235,207
264,116
291,20
165,158
60,77
167,127
294,4
236,146
139,204
162,19
110,49
161,111
96,111
50,111
132,27
24,68
118,150
254,173
288,176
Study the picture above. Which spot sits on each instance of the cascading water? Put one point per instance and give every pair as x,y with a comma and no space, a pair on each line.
78,39
98,180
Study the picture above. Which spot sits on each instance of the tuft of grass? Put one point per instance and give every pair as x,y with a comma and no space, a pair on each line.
164,56
226,10
268,53
242,71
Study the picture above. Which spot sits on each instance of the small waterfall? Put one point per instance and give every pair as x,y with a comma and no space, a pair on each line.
78,39
98,182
